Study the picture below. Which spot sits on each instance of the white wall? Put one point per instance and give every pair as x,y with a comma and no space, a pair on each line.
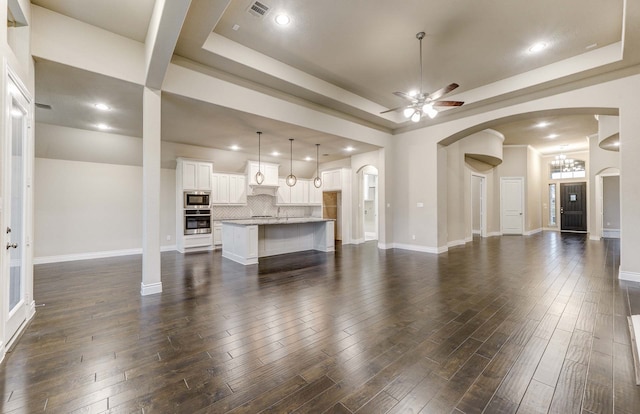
611,202
88,208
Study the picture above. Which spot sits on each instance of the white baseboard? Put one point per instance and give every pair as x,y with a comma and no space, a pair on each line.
531,232
385,246
550,229
594,238
150,289
634,330
630,276
424,249
455,243
477,232
611,233
358,241
494,234
468,239
94,255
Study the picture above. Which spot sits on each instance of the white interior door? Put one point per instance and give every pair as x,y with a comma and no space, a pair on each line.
512,205
14,213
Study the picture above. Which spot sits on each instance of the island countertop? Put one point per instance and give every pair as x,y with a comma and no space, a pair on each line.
261,221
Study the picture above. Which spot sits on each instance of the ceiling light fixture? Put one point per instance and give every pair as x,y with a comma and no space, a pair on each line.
102,106
542,124
291,179
275,154
235,147
317,182
308,158
283,19
349,149
537,47
552,136
259,175
103,127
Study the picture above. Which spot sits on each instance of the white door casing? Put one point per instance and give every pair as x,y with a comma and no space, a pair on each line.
512,205
482,202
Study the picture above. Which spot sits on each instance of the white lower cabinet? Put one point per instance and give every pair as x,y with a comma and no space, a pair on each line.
217,234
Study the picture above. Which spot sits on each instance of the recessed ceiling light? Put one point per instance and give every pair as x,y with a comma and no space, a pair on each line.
616,144
275,153
307,158
413,92
235,147
103,127
102,106
283,19
537,47
552,136
349,149
542,124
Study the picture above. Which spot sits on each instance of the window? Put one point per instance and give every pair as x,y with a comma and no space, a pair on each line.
562,168
552,205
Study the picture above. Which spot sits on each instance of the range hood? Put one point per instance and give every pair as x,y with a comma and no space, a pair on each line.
255,189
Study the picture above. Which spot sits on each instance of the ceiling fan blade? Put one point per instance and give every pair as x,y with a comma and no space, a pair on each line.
405,96
394,109
442,92
448,103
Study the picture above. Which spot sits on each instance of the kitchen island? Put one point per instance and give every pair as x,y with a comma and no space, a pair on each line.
246,240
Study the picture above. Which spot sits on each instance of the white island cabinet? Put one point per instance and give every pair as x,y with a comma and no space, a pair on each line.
245,241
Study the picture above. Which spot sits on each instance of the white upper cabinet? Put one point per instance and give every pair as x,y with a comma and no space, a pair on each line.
229,189
332,180
269,170
315,194
196,175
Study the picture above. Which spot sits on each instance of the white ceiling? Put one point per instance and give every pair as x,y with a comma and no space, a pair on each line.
366,49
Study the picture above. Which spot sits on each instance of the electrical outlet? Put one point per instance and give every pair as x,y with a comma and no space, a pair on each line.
168,237
413,237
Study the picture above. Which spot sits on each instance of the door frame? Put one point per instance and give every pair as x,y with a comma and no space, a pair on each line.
522,200
14,87
599,190
483,203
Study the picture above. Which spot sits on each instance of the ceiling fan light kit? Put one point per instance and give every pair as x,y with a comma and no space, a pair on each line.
421,103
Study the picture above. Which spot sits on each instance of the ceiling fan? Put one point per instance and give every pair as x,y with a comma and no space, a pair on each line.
421,103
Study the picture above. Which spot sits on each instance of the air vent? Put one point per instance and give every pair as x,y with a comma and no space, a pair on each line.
43,106
258,9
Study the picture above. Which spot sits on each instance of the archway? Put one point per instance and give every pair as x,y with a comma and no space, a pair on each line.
368,197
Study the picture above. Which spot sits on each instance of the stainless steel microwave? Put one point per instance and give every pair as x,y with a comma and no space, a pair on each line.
197,199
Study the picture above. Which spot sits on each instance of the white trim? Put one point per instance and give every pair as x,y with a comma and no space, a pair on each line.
634,328
94,255
611,233
531,232
476,232
385,246
417,248
468,239
2,353
454,243
550,229
629,276
494,234
357,241
150,289
594,238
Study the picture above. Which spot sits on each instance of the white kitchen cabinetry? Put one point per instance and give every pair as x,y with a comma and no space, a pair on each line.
269,170
299,194
196,175
229,189
217,234
315,194
332,180
220,190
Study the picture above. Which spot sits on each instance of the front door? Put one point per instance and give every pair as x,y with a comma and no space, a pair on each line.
13,270
573,206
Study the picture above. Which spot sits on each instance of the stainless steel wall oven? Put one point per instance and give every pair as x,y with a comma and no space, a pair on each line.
197,221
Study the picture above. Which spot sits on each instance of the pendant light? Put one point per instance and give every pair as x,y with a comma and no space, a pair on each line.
291,179
317,182
259,175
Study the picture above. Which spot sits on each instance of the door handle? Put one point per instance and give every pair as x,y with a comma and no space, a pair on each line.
10,245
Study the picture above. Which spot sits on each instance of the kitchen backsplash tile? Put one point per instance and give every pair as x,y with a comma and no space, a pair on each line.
263,205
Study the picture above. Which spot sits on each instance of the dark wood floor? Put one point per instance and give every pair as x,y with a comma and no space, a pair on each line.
503,325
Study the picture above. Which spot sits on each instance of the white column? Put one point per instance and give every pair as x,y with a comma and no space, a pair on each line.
151,282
